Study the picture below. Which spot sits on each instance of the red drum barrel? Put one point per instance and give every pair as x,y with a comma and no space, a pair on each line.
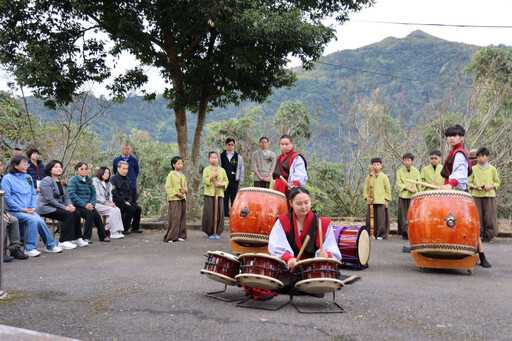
443,224
354,245
317,275
221,267
260,271
253,215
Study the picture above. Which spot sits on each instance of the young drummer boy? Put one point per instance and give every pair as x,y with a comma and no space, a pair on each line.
380,200
457,169
483,184
406,189
213,177
431,174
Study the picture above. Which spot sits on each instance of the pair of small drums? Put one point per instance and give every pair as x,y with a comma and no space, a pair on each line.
261,271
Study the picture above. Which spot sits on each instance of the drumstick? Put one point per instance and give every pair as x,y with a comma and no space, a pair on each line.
285,182
350,279
423,184
320,232
215,206
306,240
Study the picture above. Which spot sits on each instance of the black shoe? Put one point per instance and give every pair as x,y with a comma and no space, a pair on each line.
483,262
136,231
7,258
126,232
485,239
405,237
18,254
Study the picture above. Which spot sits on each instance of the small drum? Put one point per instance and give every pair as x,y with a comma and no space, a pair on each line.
253,215
221,267
443,224
260,271
317,275
354,245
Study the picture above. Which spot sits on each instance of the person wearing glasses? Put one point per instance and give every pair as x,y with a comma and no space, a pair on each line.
431,174
233,164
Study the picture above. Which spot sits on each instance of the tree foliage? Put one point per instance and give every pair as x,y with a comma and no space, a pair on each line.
293,118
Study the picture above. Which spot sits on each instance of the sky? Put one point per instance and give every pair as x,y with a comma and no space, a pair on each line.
363,28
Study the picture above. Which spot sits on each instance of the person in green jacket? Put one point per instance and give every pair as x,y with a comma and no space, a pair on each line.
483,183
406,189
214,177
380,200
176,188
431,174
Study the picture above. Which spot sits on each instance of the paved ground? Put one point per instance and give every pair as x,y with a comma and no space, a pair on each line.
139,288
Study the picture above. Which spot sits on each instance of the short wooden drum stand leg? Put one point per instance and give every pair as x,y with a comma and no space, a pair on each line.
214,294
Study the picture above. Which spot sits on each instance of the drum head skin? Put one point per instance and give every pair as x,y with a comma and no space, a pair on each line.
262,255
319,285
363,248
259,281
218,277
223,254
316,260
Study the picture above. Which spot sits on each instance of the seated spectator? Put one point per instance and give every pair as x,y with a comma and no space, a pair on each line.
12,230
54,203
105,205
122,194
35,168
83,196
20,200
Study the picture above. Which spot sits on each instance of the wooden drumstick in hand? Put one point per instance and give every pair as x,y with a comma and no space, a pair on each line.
423,184
306,240
285,182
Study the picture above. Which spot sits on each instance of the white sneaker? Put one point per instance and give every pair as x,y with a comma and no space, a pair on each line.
116,235
67,245
170,241
181,239
80,242
32,253
379,238
55,249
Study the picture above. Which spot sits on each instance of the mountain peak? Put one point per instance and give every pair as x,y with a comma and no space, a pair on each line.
420,34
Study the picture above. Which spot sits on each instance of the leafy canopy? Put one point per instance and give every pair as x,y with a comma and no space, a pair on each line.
215,51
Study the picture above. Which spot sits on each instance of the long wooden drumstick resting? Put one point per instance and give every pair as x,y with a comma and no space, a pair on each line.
320,233
215,205
423,184
350,279
306,240
285,182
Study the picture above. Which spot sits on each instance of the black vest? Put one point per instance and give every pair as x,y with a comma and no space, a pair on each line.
229,167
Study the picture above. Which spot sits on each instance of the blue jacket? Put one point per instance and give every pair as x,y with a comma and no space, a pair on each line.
32,171
81,192
133,168
19,192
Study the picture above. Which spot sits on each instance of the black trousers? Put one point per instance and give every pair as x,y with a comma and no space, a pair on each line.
229,195
128,213
92,217
262,184
71,228
134,195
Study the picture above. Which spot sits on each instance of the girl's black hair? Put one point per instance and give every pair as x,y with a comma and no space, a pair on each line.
286,136
294,192
176,159
210,154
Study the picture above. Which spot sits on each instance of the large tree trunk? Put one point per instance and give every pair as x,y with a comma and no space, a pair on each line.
193,159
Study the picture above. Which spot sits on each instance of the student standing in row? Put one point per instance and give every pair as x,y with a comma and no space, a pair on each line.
380,200
176,188
407,190
483,184
431,174
214,177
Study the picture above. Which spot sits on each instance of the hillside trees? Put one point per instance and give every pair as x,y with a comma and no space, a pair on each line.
211,53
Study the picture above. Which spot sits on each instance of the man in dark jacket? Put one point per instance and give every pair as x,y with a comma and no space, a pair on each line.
133,169
122,195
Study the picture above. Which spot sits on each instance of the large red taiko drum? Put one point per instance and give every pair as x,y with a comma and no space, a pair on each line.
253,215
443,224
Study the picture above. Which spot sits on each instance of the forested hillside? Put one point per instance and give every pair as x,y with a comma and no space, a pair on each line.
406,73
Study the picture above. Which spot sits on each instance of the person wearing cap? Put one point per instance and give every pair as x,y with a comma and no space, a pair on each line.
472,157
